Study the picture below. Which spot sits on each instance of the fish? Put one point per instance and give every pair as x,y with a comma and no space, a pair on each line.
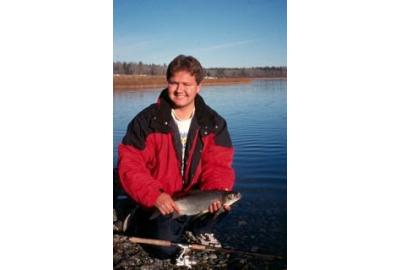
196,203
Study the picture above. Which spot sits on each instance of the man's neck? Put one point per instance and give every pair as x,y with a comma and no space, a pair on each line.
184,113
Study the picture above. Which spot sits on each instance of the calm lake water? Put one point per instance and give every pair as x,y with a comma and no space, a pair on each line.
256,117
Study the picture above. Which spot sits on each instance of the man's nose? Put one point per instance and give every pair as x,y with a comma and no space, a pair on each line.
180,87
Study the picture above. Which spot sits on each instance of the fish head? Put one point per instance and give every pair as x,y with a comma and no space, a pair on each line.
231,197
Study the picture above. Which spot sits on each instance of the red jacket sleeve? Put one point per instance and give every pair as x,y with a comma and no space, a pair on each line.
217,158
135,177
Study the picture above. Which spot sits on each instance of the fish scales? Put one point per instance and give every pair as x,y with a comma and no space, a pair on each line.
197,202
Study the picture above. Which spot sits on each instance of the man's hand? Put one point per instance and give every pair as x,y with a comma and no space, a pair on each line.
216,205
166,204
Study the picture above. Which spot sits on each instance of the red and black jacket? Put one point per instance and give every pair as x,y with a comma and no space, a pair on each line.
150,153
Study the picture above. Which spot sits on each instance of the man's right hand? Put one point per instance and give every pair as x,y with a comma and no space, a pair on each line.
166,204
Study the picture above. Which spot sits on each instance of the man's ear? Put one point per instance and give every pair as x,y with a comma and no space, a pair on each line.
198,87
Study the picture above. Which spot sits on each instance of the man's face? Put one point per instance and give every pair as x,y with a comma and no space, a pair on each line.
182,89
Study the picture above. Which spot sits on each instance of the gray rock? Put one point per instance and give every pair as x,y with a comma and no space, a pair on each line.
213,256
254,249
114,215
242,222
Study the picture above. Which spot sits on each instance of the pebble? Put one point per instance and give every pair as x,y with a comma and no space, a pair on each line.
114,216
242,222
213,256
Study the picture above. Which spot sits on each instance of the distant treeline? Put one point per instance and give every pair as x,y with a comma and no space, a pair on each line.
133,68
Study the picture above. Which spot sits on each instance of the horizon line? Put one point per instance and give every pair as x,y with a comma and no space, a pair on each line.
124,61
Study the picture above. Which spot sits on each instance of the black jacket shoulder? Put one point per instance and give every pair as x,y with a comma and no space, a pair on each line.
140,127
215,123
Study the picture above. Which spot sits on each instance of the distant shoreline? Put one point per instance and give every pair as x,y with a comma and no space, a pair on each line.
126,82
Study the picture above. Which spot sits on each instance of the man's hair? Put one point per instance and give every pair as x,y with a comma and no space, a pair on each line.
186,63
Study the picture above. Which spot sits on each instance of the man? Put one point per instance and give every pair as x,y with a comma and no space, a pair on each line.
175,145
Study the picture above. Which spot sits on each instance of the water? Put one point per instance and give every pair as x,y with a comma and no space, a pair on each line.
256,117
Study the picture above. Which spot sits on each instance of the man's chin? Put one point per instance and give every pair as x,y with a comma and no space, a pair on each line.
180,104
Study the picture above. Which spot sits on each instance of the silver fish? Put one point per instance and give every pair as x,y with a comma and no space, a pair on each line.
197,202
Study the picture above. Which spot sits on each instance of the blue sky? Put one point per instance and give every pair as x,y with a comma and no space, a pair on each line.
218,33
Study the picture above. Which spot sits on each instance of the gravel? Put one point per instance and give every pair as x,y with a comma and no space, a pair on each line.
129,255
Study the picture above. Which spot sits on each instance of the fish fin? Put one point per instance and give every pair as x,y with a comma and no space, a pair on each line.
175,215
154,215
220,211
198,215
157,214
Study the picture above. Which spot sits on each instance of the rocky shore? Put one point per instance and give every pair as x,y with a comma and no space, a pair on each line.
129,255
239,235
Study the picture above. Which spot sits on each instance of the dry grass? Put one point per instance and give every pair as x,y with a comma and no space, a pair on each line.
137,82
